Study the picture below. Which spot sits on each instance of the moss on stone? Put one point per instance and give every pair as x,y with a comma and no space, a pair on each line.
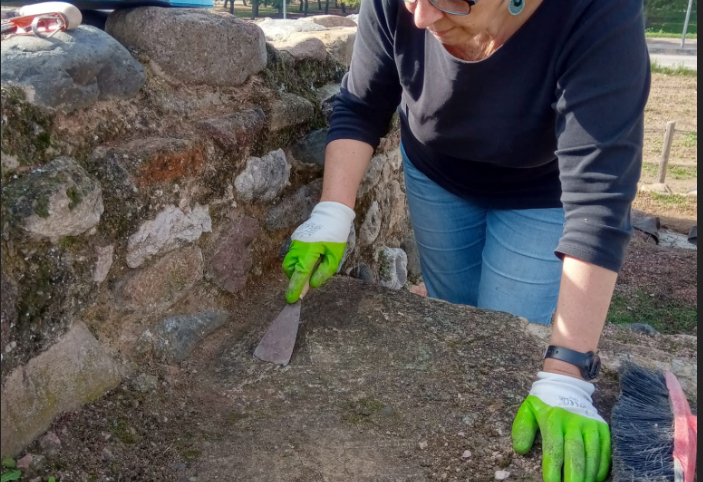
26,128
74,196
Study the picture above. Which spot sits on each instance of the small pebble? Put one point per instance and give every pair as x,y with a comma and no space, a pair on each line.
423,445
466,455
502,475
25,462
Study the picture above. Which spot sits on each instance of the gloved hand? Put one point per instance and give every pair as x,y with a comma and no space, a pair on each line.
324,235
575,438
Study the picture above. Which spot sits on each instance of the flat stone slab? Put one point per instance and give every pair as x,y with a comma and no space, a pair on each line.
382,387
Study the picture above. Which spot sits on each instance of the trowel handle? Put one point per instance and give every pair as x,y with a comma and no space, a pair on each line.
306,288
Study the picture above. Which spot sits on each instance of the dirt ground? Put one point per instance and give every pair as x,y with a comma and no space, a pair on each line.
673,98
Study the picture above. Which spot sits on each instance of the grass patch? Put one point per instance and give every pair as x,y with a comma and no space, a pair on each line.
659,33
671,201
691,139
668,317
680,173
678,71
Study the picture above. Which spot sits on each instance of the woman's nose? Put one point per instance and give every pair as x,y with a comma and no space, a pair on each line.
426,14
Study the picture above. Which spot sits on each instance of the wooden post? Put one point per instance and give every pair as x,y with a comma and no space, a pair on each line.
666,152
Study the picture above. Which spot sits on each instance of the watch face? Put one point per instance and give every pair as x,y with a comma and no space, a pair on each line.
592,368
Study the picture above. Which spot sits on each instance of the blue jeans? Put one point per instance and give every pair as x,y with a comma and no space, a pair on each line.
494,259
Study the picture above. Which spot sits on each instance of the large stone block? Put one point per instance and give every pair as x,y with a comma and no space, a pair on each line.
58,199
232,261
339,43
234,131
289,111
296,208
300,46
332,21
71,70
264,178
152,160
311,149
282,30
74,371
171,229
192,46
161,285
176,337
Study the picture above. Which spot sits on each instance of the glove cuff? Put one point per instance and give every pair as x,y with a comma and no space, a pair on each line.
587,387
330,222
571,394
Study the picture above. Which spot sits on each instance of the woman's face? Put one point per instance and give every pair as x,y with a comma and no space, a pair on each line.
451,30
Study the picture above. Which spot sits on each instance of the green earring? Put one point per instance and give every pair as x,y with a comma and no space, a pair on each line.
516,6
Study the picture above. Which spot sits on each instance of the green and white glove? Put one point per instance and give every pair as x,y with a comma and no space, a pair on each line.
324,236
575,438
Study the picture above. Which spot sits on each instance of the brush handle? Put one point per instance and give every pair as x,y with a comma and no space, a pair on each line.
685,432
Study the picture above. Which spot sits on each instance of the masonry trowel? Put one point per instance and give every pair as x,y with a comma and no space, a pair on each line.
279,341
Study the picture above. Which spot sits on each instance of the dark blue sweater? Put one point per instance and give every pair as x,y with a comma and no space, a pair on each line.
553,118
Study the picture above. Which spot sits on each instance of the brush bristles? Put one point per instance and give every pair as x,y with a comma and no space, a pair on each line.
643,428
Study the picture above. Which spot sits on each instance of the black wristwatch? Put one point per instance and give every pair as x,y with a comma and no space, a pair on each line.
589,363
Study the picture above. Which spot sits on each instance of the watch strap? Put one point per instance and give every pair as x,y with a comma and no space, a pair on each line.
583,361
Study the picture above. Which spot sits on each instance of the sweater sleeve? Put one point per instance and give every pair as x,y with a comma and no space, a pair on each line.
602,91
371,89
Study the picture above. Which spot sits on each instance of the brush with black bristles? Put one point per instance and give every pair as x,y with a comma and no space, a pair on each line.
655,435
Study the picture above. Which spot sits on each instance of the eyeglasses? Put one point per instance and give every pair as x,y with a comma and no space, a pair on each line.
451,7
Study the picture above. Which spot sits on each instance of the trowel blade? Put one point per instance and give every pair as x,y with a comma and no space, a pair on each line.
277,344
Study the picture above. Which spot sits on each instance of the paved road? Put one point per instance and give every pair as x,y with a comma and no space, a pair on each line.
674,61
668,52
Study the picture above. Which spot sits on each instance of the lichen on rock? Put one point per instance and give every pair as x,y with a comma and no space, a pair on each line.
59,199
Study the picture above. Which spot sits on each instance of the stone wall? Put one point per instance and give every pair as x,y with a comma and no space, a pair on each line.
151,172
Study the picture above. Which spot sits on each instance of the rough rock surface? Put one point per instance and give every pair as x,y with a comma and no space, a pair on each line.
393,268
264,178
281,30
232,260
311,149
159,286
74,371
300,46
332,21
290,110
235,131
58,199
176,337
152,160
409,245
192,46
371,227
106,256
351,246
296,208
171,229
373,174
326,97
394,206
71,70
339,43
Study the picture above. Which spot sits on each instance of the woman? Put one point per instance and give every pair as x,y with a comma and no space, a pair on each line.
522,131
